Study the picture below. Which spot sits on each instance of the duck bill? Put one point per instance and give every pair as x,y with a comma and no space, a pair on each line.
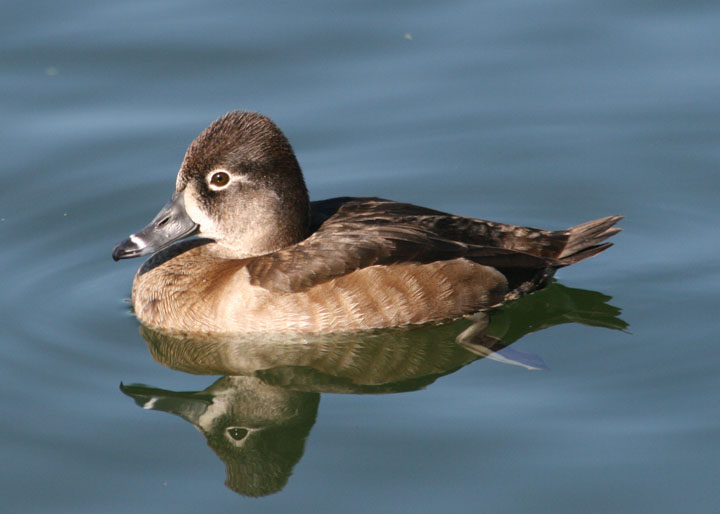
171,224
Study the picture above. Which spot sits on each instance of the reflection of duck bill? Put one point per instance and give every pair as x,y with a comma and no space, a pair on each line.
188,405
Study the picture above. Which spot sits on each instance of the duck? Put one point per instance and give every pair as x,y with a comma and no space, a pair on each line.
240,248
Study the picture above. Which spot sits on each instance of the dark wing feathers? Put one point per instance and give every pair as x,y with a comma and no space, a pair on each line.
354,233
471,231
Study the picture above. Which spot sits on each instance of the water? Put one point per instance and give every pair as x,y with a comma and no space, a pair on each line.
544,114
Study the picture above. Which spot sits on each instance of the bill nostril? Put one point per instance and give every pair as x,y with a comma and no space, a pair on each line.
163,221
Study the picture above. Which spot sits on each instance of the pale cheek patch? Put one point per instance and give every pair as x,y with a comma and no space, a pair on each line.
233,178
207,225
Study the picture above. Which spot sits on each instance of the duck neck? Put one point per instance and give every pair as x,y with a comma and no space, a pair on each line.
277,228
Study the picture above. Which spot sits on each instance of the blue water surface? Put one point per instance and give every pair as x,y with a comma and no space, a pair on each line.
537,113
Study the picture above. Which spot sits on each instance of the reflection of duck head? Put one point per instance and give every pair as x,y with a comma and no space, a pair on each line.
257,420
256,429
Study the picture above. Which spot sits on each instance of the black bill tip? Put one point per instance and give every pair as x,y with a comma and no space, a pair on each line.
128,249
171,224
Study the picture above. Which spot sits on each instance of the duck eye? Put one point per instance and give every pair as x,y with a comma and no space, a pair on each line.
237,433
220,179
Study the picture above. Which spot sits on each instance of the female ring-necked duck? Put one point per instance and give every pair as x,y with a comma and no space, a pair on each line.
266,259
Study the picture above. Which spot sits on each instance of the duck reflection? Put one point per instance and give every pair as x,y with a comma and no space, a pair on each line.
257,417
257,430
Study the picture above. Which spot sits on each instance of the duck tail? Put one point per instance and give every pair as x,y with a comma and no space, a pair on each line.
586,240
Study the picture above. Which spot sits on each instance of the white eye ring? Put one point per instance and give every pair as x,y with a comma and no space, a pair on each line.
218,179
240,442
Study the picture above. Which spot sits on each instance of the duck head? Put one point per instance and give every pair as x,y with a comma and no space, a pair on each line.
240,185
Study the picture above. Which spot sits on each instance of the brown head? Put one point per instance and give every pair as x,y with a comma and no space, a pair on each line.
240,185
